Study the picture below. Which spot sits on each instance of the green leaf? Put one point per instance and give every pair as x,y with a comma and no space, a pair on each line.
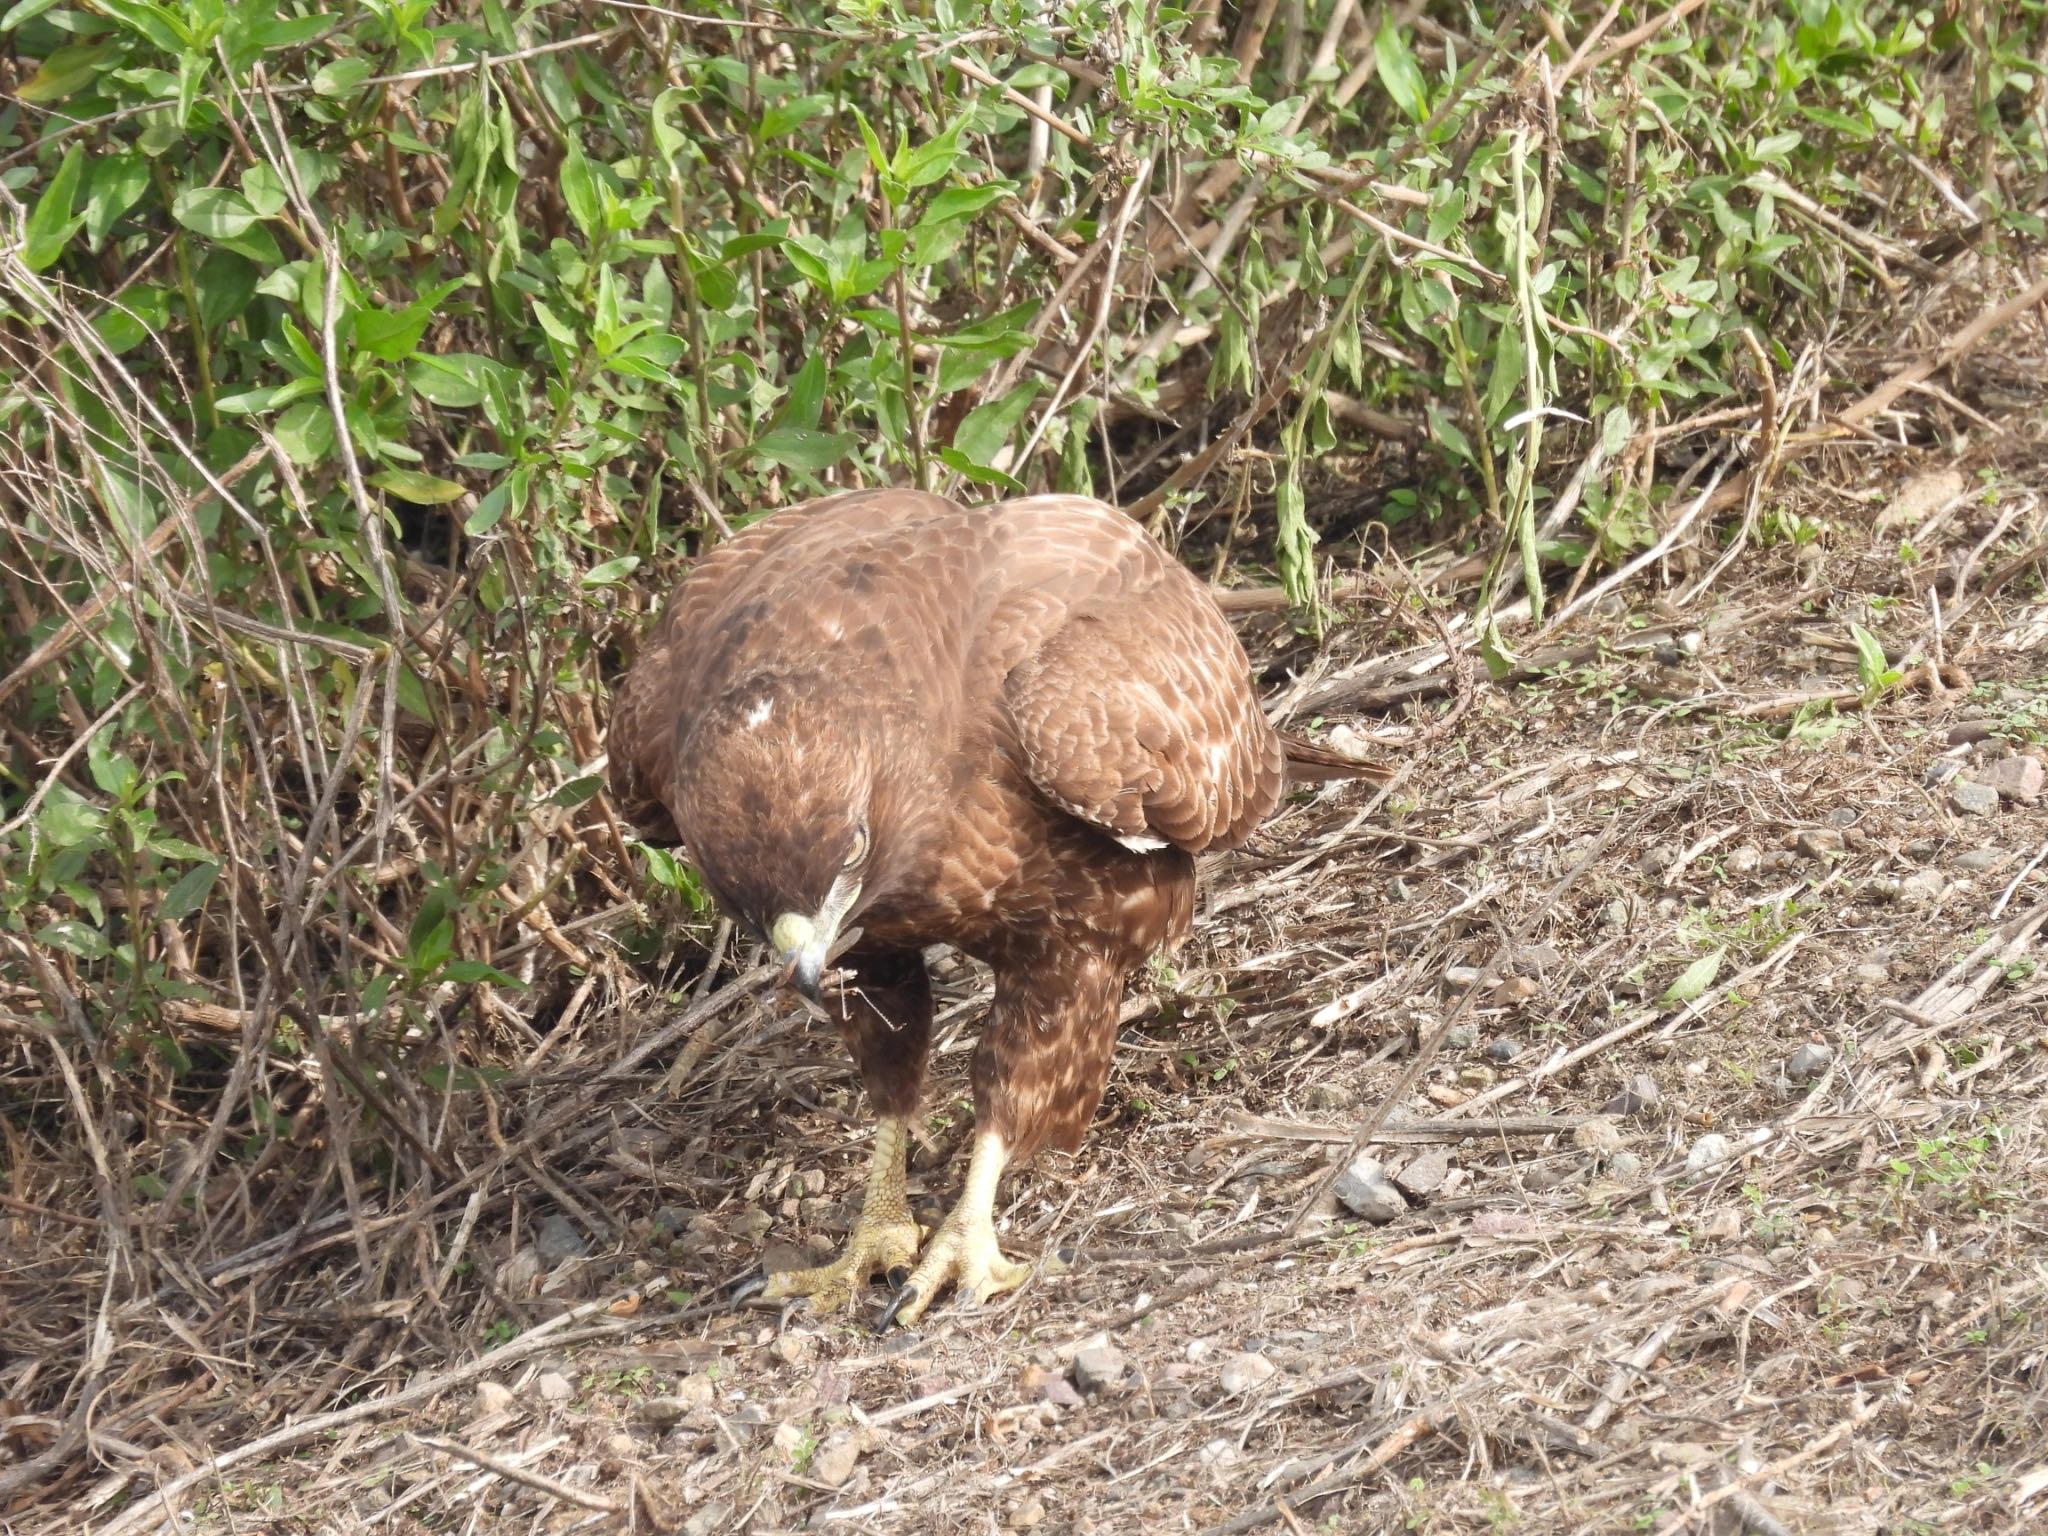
1874,673
265,190
611,572
417,486
75,938
453,379
189,894
152,22
216,212
579,191
806,393
668,139
66,72
987,428
1694,980
965,202
306,432
1399,72
578,791
117,181
469,972
69,820
51,223
803,448
341,77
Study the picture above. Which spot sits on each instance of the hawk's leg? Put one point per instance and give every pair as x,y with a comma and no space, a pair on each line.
884,1239
963,1252
885,1017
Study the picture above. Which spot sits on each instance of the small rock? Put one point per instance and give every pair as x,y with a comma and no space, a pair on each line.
1399,890
1363,1190
1940,771
1426,1173
1243,1372
558,1239
672,1220
1723,1226
1614,916
1098,1365
1502,1051
1969,798
793,1348
1477,1077
1744,861
1980,861
1844,816
1808,1062
1461,1037
836,1459
1327,1096
1658,862
554,1387
790,1438
1599,1136
1921,849
1625,1165
1516,989
519,1276
751,1225
1965,732
1639,1095
1921,888
1709,1152
661,1412
2018,778
712,1517
1462,978
1535,960
493,1397
1818,843
1871,975
1537,1177
1027,1512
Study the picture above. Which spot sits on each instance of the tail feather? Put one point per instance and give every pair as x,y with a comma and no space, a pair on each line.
1308,763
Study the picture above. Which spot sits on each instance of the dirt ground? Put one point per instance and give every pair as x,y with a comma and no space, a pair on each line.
1708,1009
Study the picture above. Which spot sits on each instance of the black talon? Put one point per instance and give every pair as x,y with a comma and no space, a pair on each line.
897,1303
898,1276
1067,1256
747,1287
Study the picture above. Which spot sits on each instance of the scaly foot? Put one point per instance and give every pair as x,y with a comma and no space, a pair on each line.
963,1252
884,1239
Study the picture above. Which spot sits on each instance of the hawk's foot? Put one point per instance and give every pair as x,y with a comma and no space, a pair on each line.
963,1252
884,1239
876,1247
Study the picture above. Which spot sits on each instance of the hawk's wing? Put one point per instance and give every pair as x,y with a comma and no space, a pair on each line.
1137,715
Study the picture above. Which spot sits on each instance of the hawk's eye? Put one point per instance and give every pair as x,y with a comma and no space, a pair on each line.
858,852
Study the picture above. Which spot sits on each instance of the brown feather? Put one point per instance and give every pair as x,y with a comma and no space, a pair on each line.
997,695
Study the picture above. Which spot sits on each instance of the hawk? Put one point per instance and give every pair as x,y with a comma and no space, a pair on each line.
1004,728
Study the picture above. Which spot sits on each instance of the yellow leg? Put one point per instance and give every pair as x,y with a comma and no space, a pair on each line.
963,1251
884,1238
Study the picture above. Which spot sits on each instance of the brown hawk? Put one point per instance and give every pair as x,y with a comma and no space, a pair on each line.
1004,728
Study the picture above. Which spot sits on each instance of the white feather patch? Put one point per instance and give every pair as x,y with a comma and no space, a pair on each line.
760,711
1143,844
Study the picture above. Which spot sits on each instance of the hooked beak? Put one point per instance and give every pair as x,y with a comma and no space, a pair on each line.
804,944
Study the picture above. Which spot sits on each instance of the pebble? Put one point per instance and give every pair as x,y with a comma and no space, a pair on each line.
1476,1076
2020,778
1399,890
1501,1052
1625,1165
1535,960
1027,1512
1098,1365
1658,861
793,1348
836,1459
1980,861
1808,1062
1921,849
1818,843
493,1397
1921,887
672,1220
1363,1190
1462,978
1638,1095
1614,915
751,1225
554,1387
1963,732
1462,1037
1243,1372
1744,861
712,1517
1969,798
1871,974
1327,1096
1724,1226
1844,816
1708,1152
1425,1173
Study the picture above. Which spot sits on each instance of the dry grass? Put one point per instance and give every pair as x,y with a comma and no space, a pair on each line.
1834,1326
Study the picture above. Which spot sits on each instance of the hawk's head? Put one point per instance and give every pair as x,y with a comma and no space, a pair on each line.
781,806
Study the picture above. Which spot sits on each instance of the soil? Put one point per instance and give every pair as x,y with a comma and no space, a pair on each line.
1688,995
